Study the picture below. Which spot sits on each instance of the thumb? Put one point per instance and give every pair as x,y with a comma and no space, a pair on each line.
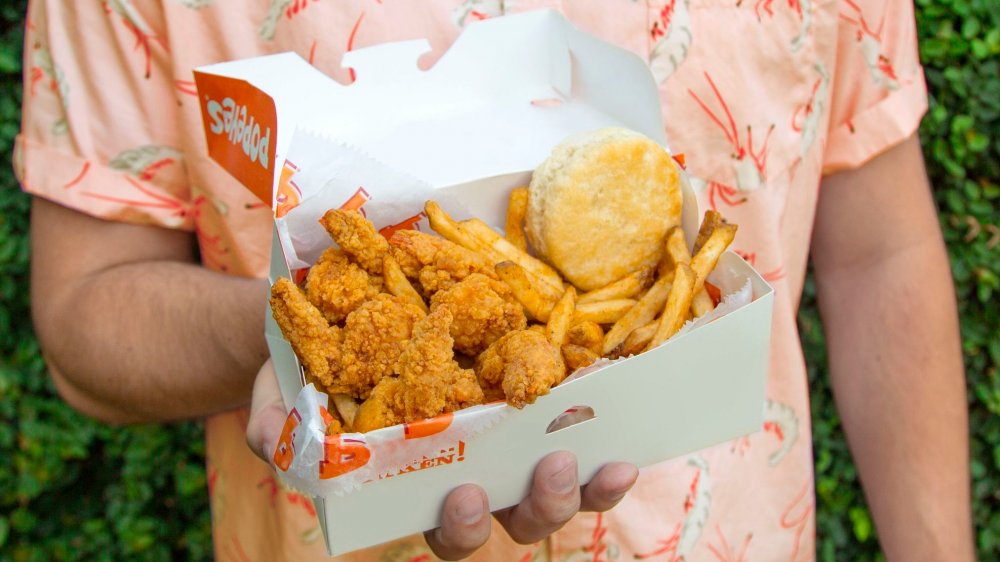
267,414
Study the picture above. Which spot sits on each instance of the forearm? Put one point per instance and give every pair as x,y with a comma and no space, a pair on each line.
160,340
132,328
897,376
888,308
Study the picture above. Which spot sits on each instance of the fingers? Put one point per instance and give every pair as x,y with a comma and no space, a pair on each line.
465,524
267,413
553,500
608,487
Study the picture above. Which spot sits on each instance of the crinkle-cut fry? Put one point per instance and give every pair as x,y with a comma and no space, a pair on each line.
535,304
676,251
442,223
517,209
641,314
676,309
577,357
561,317
637,340
704,261
625,288
397,284
586,334
347,407
603,312
357,237
712,220
499,244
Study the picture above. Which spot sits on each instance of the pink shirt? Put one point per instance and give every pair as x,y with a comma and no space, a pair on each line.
762,97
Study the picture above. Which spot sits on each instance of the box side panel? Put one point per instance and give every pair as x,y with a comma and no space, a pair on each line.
679,398
286,364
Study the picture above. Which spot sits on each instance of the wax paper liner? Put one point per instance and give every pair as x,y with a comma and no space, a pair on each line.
329,174
323,464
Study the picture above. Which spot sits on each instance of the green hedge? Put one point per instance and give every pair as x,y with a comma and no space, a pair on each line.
73,489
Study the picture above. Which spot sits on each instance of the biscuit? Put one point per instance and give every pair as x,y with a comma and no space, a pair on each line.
600,206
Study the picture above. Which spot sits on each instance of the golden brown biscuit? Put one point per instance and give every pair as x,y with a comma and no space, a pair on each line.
600,206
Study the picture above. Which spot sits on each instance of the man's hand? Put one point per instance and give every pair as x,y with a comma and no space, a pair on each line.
555,497
888,306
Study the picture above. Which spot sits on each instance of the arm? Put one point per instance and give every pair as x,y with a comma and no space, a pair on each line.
132,328
888,308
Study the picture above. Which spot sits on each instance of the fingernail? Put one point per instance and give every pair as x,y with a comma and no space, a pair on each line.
564,480
470,509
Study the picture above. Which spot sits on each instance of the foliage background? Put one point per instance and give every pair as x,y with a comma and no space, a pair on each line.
73,489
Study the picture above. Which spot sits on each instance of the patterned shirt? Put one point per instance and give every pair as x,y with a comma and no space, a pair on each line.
763,97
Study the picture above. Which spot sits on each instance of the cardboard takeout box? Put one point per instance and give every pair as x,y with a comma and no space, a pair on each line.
465,132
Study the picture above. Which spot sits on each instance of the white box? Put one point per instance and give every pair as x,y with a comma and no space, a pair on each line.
470,129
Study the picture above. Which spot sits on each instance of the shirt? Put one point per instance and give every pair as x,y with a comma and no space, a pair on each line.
762,98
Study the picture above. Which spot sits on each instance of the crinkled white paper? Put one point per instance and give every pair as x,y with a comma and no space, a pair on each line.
339,464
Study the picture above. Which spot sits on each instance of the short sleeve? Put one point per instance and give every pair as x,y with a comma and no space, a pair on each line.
878,91
99,131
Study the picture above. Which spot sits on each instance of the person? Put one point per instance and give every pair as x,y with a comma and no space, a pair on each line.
798,122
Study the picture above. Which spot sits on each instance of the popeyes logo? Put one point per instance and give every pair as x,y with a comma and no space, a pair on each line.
240,129
231,119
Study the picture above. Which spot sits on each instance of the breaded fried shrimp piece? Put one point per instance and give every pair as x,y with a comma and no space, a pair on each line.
524,364
383,408
314,341
435,262
357,237
432,382
482,309
373,337
336,286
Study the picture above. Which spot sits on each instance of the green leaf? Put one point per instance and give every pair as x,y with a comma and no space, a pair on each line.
961,123
862,523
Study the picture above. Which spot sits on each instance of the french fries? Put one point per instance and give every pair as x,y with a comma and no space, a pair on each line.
603,312
676,309
560,318
702,303
443,224
346,407
586,334
708,255
625,288
397,284
711,221
637,340
676,252
517,209
577,357
535,304
639,315
536,267
715,243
